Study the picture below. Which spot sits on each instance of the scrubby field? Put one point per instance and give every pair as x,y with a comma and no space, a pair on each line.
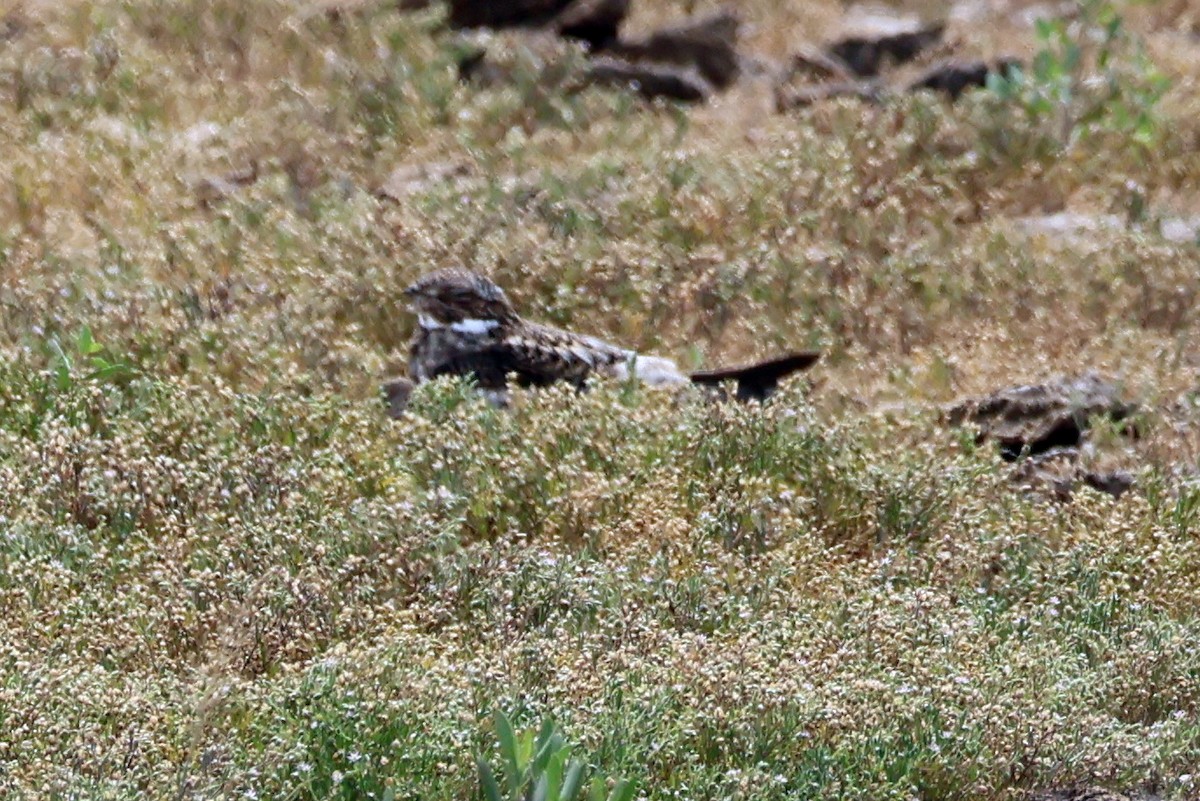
225,573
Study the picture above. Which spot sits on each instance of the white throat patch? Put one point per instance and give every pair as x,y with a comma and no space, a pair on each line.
473,326
470,325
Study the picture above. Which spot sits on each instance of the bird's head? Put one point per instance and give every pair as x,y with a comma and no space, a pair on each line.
459,299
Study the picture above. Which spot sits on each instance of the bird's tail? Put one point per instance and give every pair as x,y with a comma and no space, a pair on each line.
759,380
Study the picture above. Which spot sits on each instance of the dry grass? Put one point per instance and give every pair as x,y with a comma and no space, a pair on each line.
223,572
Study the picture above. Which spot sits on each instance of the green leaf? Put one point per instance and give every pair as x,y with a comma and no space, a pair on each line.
1040,106
87,345
547,750
544,747
487,781
545,732
596,790
542,790
525,749
572,781
999,86
62,369
1072,57
108,371
553,774
623,791
1112,28
508,750
1043,66
1144,132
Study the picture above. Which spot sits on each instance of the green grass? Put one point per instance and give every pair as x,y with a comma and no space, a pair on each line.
225,573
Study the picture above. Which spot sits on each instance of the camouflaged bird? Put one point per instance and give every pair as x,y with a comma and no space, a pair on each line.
466,326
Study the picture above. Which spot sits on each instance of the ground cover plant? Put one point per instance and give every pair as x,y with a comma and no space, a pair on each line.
226,573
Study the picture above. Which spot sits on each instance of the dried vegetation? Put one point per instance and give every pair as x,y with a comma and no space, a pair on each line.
225,572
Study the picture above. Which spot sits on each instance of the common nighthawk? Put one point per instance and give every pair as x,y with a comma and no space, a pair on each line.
466,326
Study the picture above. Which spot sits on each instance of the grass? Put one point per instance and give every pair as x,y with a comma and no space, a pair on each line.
225,573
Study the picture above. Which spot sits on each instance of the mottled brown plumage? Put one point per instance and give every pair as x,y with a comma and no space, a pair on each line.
467,327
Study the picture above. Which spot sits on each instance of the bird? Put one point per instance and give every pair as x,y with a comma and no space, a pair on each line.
466,326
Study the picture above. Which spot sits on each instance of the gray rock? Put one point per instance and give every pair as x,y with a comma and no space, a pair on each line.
596,22
1034,419
867,55
955,77
396,392
708,44
651,80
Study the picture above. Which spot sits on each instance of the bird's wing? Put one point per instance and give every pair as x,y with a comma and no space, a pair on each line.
540,355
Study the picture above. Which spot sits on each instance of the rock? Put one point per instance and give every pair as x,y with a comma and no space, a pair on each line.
954,77
1036,418
1180,229
1058,472
799,97
709,44
651,80
1074,229
473,66
812,75
593,21
1028,15
1116,483
504,13
199,136
535,60
757,381
596,22
810,64
214,188
117,131
396,392
1051,472
337,10
867,55
408,179
1067,224
688,62
13,24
